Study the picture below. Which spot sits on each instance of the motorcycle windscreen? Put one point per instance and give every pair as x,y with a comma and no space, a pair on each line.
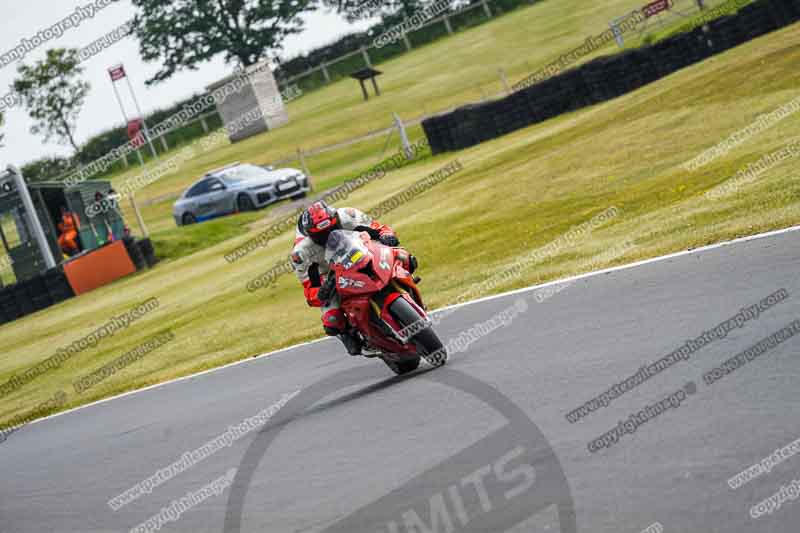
345,248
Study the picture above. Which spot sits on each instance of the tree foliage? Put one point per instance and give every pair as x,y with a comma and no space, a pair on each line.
184,33
47,168
53,94
354,10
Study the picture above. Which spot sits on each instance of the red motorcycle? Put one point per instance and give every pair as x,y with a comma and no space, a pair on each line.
380,298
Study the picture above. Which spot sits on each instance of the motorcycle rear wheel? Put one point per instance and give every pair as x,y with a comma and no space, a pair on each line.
427,342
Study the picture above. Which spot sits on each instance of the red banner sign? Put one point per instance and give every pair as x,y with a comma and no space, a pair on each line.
117,73
135,132
654,8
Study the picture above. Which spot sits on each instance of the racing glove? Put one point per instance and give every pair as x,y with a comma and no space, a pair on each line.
389,240
328,289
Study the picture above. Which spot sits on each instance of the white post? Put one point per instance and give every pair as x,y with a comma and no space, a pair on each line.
617,34
33,218
138,109
365,55
302,158
119,101
403,136
504,79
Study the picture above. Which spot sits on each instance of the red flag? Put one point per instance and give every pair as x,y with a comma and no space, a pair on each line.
117,73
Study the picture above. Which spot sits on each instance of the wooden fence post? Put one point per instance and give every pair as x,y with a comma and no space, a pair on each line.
405,36
447,25
302,158
487,10
365,55
139,218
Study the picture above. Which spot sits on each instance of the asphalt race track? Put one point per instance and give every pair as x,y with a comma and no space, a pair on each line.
482,444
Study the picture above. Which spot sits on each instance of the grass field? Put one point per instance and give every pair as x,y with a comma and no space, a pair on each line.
513,195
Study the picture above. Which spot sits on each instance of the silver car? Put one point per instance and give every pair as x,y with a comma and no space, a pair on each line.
237,187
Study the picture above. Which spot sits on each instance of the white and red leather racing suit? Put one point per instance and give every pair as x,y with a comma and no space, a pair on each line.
308,259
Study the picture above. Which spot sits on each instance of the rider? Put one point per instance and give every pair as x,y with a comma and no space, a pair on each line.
68,237
308,257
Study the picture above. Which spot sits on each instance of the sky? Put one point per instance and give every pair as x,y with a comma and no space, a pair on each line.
23,19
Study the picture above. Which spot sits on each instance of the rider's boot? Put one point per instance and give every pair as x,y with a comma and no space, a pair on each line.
351,341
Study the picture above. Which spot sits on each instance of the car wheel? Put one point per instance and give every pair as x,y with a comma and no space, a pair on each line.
188,219
299,196
244,203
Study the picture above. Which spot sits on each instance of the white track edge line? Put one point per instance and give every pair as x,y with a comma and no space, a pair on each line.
454,306
626,266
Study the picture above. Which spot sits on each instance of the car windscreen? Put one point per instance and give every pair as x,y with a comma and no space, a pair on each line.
242,173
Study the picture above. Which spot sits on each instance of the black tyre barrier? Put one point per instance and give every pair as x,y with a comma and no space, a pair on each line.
35,294
782,12
23,299
57,285
725,33
59,294
137,258
8,306
9,311
604,78
149,253
36,287
135,253
42,301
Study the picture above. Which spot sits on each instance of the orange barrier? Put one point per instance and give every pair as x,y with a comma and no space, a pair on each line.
99,267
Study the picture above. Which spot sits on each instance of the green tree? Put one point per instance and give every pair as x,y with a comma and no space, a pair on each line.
184,33
53,93
48,168
354,10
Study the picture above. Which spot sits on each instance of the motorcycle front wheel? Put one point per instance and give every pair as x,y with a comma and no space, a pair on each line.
426,341
402,367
